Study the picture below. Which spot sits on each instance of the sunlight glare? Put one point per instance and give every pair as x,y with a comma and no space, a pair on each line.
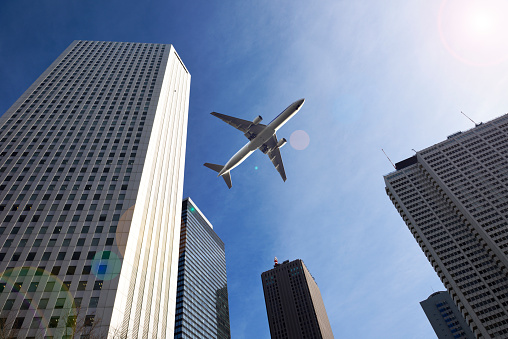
474,31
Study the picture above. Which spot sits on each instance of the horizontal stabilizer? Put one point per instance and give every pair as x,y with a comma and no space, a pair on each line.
216,168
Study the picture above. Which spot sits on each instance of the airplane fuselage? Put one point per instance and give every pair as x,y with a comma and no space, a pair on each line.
262,137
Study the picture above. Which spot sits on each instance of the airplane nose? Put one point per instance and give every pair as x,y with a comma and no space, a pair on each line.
300,102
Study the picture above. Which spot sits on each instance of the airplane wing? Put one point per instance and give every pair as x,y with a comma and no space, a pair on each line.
274,155
243,125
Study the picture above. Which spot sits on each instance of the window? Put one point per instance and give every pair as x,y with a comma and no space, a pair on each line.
60,302
98,285
94,302
75,255
56,270
82,285
33,286
77,302
25,305
8,304
71,270
86,270
66,286
71,321
89,320
49,286
81,242
53,322
17,323
95,241
90,255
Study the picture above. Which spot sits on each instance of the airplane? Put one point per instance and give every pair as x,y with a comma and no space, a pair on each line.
260,137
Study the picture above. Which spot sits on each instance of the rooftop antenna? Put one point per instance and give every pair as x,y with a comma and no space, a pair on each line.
388,158
469,118
412,149
276,261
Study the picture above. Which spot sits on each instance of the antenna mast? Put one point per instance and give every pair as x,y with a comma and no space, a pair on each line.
469,118
388,158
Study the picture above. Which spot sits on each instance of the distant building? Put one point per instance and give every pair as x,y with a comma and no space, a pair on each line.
293,301
202,309
453,197
91,180
445,317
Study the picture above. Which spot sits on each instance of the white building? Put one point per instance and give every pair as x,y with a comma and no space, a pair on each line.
453,196
91,181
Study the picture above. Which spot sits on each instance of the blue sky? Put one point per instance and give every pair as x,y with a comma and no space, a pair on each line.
391,74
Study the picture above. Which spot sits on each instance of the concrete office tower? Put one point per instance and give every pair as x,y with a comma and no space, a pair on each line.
293,302
91,175
453,196
445,317
202,309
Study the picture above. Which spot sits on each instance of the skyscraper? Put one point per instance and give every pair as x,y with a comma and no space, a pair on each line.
91,176
202,309
453,196
293,301
445,317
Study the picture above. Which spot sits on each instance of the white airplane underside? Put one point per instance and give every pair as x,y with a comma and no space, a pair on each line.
262,137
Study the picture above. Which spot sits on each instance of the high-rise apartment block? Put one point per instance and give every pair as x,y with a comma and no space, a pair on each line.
453,196
91,176
293,301
202,308
445,317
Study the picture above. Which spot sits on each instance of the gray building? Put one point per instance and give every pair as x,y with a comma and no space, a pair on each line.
453,196
202,308
445,318
91,182
293,301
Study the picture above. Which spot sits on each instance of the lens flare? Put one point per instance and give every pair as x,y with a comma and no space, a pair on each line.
27,284
474,31
106,265
299,140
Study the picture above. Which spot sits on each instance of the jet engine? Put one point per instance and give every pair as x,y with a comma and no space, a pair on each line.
257,120
281,142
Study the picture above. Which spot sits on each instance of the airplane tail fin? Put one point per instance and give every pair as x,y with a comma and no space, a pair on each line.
218,168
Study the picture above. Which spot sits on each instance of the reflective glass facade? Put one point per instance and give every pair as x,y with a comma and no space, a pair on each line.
202,309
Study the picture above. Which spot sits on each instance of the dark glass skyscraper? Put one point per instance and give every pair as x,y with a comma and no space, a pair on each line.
202,309
445,317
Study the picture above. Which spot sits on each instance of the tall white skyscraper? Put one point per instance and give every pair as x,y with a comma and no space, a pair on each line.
453,196
91,182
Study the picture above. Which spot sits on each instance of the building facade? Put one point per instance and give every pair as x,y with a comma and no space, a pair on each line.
91,181
293,301
445,317
202,308
453,196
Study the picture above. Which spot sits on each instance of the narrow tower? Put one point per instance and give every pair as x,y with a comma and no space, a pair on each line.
202,308
293,301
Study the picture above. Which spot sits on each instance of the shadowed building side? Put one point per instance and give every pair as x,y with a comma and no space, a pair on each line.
293,301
